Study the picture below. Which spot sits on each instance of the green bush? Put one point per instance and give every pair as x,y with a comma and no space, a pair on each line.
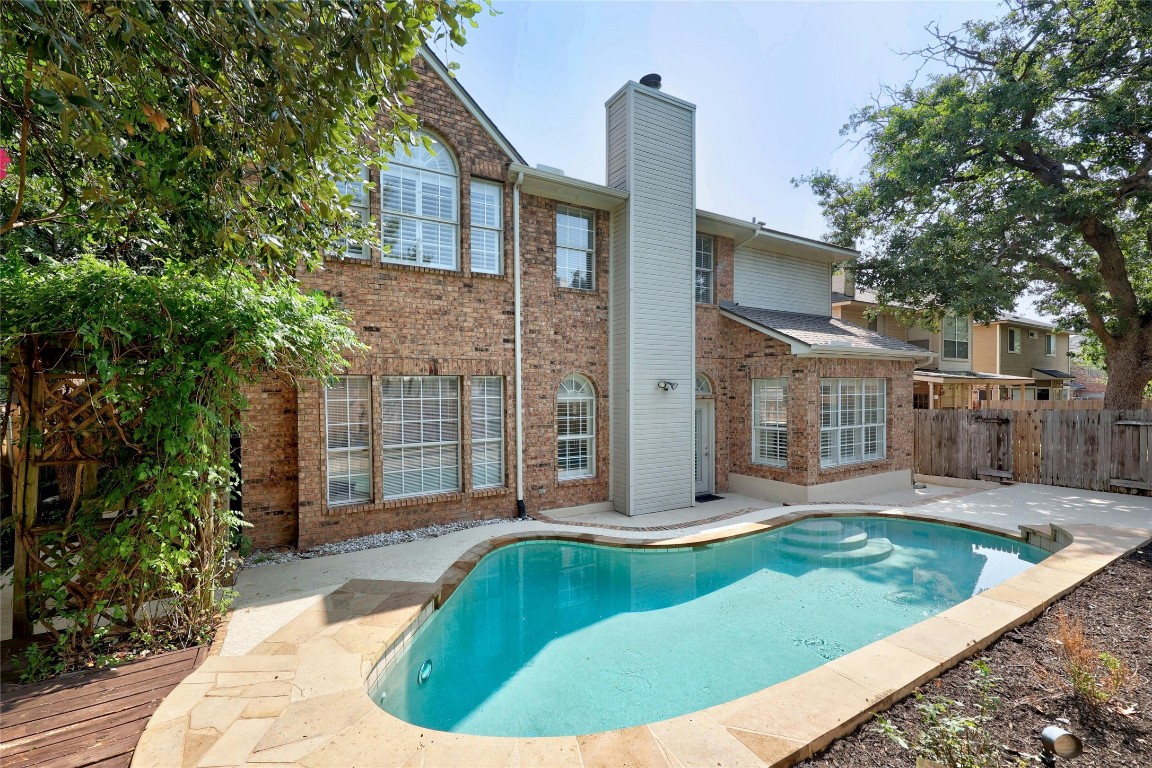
171,351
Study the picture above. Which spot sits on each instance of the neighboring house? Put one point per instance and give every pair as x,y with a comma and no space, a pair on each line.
1091,383
541,342
1011,358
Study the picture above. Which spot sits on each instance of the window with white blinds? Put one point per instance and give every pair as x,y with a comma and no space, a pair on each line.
420,435
853,421
487,431
575,429
418,206
770,422
357,189
347,410
487,237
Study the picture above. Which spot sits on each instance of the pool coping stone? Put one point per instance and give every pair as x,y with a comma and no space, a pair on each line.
301,696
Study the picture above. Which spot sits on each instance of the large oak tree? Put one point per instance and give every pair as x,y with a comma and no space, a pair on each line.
1027,162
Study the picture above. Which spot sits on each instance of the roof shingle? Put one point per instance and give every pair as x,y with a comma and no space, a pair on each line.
821,331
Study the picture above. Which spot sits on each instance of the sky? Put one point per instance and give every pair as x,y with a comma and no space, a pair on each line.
773,83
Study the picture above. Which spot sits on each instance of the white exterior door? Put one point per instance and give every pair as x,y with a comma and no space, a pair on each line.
705,467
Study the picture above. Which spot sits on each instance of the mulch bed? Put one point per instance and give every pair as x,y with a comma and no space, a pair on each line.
1116,610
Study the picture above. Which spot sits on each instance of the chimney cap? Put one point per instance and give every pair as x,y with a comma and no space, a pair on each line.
652,81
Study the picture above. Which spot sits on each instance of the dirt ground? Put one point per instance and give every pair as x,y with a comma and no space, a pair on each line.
1034,688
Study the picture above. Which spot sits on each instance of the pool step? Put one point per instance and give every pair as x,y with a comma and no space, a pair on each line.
833,543
872,552
850,537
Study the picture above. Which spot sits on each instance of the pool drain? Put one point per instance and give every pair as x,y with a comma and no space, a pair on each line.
425,672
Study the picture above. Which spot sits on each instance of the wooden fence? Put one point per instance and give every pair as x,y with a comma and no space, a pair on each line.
1099,450
1049,405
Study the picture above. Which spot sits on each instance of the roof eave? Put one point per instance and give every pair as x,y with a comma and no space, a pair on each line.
936,378
566,189
744,232
871,353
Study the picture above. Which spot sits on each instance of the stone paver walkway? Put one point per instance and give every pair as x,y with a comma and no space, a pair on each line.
299,696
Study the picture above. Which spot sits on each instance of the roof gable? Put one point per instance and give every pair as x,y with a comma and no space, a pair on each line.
469,103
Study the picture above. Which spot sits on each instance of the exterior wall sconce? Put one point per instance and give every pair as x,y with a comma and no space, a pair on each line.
666,385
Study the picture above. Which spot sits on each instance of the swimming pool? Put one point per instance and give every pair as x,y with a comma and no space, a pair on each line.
549,638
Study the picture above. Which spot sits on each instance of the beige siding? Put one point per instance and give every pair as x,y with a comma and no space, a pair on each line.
785,283
851,314
894,328
1031,354
653,309
885,324
984,348
618,349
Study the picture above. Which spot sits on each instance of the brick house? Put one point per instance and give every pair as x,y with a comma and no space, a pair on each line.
540,342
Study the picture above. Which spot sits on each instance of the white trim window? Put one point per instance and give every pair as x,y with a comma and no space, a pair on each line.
703,386
487,431
420,435
487,236
705,265
418,206
358,190
1050,345
347,422
853,421
575,429
575,246
1014,340
770,422
955,331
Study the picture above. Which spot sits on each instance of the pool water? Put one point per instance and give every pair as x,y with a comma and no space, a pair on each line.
552,638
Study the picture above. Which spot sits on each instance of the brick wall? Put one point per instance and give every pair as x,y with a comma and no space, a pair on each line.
752,355
731,355
421,321
269,464
565,331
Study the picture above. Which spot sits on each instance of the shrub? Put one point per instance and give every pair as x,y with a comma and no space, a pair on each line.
1096,677
949,733
164,357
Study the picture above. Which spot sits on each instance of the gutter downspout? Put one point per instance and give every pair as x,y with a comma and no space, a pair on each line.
521,511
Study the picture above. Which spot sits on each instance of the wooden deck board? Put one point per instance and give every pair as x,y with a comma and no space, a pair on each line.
90,719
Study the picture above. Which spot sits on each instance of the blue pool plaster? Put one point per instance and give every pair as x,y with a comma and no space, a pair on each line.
550,638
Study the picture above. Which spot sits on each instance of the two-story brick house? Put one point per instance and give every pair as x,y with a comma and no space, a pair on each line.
540,342
1011,358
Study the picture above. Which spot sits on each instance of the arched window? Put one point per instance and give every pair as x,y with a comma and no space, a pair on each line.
575,428
703,386
418,205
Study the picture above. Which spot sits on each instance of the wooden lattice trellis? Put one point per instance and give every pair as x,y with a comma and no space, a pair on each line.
61,417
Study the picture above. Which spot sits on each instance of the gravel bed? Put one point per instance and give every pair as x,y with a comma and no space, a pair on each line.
284,555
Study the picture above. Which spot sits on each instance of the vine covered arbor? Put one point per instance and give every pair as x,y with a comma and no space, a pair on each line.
124,391
72,570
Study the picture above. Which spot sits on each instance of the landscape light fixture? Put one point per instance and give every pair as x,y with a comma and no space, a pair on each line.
666,385
1057,742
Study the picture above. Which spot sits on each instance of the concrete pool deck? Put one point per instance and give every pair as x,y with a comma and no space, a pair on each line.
289,687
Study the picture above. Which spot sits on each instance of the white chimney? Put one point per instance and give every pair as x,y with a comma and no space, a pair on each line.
652,155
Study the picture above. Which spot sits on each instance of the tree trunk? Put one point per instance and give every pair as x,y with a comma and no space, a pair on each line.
1129,361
